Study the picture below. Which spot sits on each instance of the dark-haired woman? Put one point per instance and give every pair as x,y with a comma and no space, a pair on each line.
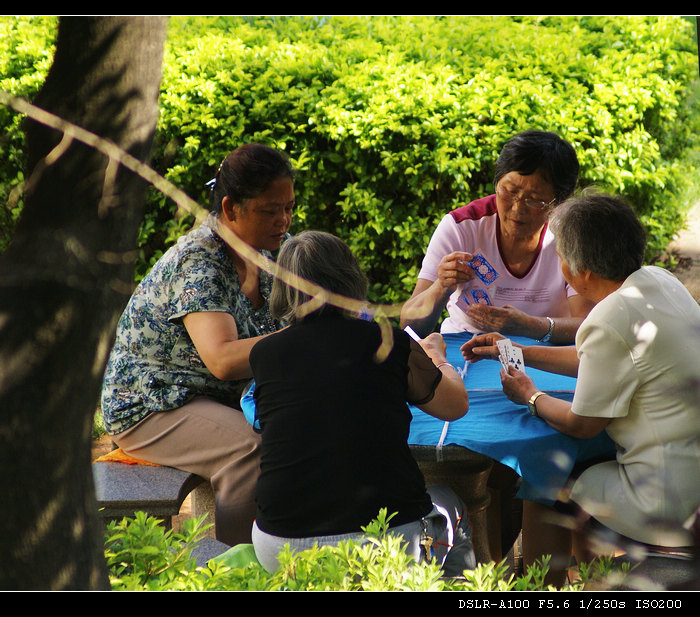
172,387
333,412
520,291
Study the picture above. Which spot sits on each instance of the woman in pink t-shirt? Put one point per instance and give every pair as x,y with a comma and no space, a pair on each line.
493,264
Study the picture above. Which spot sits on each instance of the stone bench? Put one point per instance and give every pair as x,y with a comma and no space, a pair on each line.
122,490
208,548
159,491
661,570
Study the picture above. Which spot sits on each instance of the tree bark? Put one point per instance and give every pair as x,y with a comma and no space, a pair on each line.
63,283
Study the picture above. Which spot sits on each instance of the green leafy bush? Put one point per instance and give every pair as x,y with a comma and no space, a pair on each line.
142,555
26,53
394,121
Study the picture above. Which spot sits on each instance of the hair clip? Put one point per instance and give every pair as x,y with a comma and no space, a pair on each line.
211,184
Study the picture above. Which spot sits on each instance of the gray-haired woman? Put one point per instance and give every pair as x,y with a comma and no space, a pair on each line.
638,373
333,416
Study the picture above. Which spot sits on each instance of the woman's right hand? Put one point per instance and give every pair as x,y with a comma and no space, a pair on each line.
423,309
450,400
454,270
435,347
517,386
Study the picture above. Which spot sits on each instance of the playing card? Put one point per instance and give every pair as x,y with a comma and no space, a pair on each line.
516,358
510,355
481,296
462,302
365,314
504,351
473,296
412,333
484,270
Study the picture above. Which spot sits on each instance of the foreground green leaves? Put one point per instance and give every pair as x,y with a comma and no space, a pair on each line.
142,555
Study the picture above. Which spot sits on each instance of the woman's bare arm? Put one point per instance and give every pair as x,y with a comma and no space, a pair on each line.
215,337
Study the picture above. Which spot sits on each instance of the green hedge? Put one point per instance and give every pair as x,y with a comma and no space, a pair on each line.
26,53
393,121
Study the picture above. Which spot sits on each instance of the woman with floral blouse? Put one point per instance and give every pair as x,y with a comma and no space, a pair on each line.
172,387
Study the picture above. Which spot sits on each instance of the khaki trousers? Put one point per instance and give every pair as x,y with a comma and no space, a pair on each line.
213,441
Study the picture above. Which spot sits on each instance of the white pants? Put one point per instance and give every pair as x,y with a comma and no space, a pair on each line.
441,522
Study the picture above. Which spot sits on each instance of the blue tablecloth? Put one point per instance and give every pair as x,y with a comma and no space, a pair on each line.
506,432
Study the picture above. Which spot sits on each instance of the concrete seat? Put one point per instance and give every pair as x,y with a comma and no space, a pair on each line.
652,567
660,573
159,491
208,548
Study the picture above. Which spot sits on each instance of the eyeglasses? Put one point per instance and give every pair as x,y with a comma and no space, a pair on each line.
509,197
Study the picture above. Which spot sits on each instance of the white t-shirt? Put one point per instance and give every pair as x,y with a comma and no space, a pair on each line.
541,292
638,353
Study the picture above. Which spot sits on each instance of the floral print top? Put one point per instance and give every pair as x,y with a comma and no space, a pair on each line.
154,366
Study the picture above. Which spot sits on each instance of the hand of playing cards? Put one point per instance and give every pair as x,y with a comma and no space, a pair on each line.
510,355
487,274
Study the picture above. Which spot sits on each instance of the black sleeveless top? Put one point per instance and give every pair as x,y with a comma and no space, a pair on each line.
335,424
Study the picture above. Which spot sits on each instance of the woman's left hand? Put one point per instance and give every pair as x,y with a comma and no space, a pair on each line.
506,319
482,346
517,385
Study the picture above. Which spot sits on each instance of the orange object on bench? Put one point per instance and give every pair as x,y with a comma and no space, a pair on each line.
119,456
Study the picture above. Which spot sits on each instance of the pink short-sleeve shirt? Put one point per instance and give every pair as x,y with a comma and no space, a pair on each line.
541,291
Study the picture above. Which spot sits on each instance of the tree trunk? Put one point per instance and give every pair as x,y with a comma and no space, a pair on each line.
63,283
